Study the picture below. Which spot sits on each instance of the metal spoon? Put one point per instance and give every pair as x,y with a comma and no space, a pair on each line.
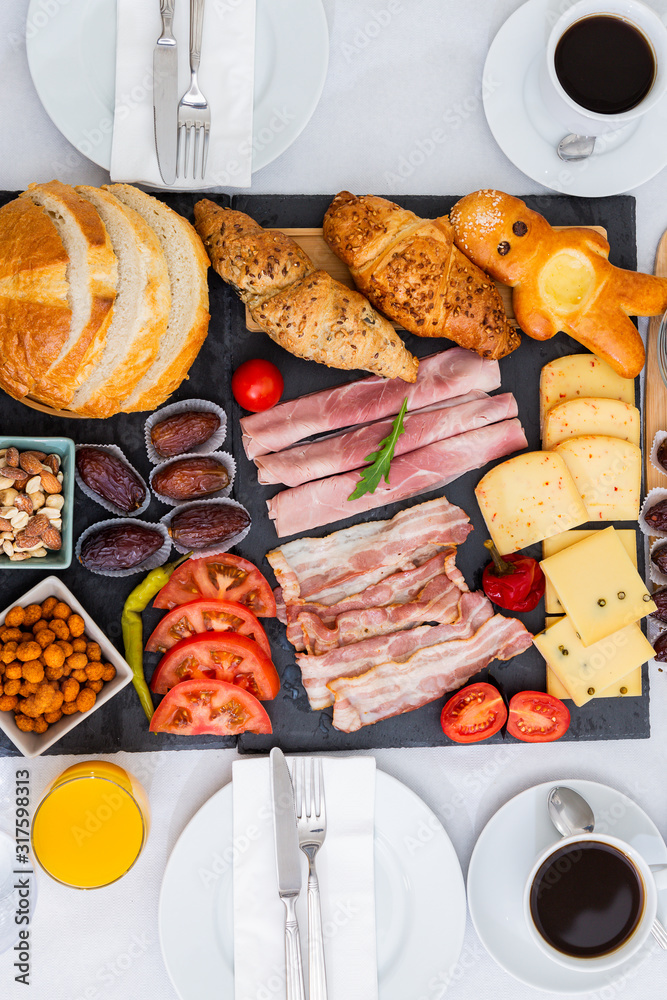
576,147
571,814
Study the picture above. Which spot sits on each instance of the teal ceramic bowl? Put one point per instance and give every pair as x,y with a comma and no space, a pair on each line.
64,448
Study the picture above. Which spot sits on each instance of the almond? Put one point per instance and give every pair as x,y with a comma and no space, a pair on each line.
23,502
37,524
49,483
51,538
30,463
18,476
53,462
12,457
5,525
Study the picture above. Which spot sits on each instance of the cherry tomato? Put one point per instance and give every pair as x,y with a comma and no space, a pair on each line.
224,656
473,713
257,385
206,616
210,706
537,717
222,576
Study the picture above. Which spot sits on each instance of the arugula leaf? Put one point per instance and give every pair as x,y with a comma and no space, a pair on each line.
371,476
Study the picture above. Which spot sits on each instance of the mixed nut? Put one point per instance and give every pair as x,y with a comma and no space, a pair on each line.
31,503
48,666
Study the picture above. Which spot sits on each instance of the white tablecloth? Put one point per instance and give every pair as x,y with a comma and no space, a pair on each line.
398,69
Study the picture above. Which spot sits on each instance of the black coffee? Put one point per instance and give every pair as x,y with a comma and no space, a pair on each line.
586,899
605,64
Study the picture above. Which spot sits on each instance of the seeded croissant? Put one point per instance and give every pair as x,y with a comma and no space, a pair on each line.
301,308
412,271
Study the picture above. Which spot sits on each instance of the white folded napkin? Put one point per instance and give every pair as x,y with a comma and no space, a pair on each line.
226,78
345,867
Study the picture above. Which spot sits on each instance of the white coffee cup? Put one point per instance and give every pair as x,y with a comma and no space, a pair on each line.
637,938
557,101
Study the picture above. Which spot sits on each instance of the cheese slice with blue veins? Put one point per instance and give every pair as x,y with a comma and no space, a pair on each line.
598,585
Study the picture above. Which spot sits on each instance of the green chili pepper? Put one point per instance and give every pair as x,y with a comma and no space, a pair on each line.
132,627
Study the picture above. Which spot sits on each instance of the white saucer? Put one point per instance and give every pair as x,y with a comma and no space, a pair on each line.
72,59
528,136
503,856
418,937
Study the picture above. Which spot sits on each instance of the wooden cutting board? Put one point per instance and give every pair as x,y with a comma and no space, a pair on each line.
655,390
313,243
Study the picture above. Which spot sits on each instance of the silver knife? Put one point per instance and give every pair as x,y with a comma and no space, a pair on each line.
165,94
288,866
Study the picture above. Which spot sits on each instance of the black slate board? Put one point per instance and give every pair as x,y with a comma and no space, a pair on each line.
121,724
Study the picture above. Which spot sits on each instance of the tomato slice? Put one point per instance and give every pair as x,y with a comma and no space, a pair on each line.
537,717
473,713
222,576
206,615
224,656
195,707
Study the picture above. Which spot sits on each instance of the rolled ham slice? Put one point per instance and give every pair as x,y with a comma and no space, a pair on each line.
345,562
349,450
349,661
430,468
440,376
394,687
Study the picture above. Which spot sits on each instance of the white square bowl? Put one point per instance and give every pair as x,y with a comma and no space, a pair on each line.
33,744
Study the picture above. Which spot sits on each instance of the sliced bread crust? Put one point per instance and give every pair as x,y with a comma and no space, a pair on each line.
35,315
187,263
141,309
92,274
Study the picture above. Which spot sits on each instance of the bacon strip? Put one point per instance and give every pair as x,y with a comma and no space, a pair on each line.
432,467
392,687
345,562
440,376
437,602
349,450
395,589
347,661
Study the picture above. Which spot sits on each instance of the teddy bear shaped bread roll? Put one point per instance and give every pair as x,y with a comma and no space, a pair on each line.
561,280
411,271
301,308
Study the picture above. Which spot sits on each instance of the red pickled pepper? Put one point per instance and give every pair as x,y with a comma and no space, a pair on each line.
514,582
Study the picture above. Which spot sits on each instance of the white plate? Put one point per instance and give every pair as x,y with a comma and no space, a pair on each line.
501,861
419,903
528,136
72,53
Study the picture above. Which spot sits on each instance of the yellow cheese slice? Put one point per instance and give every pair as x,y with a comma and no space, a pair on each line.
585,671
581,375
529,498
598,585
556,543
629,686
577,417
607,473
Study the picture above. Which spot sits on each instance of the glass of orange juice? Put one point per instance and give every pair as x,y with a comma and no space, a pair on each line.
90,825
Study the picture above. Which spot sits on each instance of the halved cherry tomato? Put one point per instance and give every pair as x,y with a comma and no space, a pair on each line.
257,384
210,706
537,717
223,576
473,713
224,656
206,615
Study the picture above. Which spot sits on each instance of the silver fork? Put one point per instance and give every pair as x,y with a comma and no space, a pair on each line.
312,827
194,114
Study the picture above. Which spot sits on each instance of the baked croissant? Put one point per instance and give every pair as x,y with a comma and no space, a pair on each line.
411,270
301,308
562,280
